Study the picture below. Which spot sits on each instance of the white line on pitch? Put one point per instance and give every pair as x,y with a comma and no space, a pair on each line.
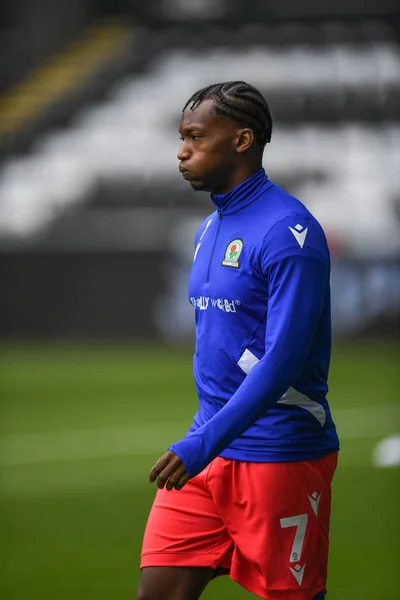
20,449
147,438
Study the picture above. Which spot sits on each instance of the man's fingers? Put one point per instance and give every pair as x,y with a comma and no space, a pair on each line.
183,481
174,464
167,465
169,472
160,465
175,478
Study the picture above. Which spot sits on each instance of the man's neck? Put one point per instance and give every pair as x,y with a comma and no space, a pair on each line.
238,177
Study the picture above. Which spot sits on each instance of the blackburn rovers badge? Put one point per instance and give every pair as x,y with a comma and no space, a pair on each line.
232,253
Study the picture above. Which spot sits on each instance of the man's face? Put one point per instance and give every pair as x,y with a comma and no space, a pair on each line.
208,151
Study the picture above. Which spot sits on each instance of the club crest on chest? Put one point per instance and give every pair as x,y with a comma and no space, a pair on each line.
232,253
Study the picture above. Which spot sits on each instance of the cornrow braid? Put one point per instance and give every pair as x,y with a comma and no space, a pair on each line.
240,101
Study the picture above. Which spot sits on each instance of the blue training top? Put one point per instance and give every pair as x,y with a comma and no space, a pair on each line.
260,290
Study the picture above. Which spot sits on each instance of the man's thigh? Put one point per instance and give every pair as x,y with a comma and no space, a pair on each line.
184,529
278,516
173,583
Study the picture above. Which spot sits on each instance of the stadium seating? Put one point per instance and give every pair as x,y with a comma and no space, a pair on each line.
336,144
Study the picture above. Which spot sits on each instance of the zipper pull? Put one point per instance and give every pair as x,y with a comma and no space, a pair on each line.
219,213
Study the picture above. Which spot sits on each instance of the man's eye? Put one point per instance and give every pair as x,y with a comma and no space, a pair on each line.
181,138
196,137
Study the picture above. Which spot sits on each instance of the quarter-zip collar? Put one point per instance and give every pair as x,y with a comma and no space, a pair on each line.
242,195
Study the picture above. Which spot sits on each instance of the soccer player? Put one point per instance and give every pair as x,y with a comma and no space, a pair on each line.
247,492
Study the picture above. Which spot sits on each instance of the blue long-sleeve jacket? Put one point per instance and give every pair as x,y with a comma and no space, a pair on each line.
259,287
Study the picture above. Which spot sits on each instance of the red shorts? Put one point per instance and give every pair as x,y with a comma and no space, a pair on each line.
267,523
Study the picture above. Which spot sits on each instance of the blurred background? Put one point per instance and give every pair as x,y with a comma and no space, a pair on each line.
96,241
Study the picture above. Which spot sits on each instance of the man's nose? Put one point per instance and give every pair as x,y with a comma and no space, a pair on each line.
183,152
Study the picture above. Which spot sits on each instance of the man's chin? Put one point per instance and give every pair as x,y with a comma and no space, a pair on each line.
198,186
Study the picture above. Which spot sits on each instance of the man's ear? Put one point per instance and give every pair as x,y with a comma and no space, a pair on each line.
245,139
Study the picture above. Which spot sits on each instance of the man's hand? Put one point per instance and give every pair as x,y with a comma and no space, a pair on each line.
169,470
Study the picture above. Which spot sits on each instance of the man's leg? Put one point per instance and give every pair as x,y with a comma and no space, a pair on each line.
185,544
173,583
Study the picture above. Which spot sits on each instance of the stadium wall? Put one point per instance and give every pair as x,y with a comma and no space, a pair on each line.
116,295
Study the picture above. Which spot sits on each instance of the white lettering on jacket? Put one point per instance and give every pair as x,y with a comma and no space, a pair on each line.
224,304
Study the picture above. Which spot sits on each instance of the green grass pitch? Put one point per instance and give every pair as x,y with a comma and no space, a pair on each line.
80,427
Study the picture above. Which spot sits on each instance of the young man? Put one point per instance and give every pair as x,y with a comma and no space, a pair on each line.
247,491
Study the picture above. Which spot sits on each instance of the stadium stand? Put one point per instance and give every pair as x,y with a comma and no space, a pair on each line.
60,76
90,193
334,90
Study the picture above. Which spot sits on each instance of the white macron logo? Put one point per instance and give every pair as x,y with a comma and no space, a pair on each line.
298,572
299,233
314,501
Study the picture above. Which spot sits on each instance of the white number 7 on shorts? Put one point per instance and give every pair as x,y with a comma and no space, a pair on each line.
300,522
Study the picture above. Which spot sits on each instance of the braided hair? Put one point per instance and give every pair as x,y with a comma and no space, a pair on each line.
239,101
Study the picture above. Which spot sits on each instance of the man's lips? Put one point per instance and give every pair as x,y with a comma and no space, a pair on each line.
184,172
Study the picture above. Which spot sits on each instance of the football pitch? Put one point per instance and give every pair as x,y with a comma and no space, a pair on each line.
81,425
